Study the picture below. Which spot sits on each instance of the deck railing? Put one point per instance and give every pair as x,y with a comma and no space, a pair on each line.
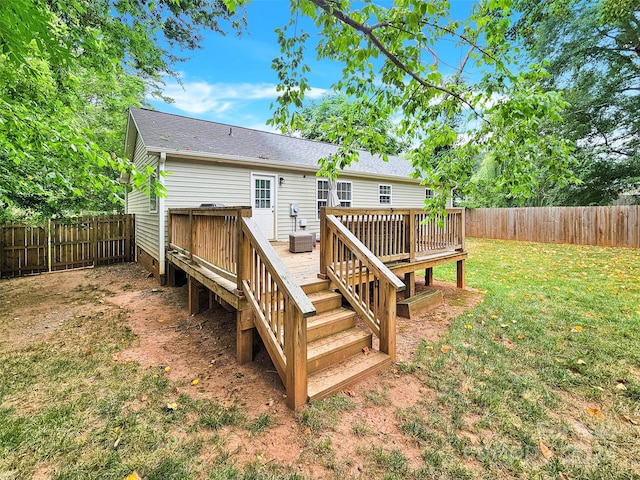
280,309
209,236
368,285
403,234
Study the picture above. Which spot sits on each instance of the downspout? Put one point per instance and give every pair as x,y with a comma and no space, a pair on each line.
162,221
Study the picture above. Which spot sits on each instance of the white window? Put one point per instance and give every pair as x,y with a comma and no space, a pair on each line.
153,198
343,189
384,194
428,193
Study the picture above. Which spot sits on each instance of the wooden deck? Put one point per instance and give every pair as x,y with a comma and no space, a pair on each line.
304,305
304,267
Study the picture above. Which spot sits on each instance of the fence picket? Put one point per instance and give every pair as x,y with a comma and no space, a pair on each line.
617,226
66,244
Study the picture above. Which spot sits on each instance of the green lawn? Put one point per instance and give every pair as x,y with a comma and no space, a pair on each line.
541,380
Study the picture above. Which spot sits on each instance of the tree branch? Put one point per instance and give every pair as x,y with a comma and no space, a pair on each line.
368,33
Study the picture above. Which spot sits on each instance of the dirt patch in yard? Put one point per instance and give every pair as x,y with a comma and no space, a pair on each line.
202,347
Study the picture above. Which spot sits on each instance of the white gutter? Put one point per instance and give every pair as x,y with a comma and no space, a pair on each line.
261,163
161,217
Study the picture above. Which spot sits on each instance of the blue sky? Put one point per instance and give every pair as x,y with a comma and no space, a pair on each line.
230,80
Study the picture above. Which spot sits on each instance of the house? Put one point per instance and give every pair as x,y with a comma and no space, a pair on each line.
213,163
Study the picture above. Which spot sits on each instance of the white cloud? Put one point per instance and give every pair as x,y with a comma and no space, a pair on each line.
199,97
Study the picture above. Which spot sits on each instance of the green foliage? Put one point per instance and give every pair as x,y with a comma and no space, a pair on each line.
336,119
394,67
70,70
591,47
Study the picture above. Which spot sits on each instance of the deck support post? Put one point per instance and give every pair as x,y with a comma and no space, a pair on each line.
460,282
428,276
194,295
171,275
244,335
410,284
295,346
387,315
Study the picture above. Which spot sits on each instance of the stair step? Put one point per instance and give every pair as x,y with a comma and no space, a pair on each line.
327,323
325,300
315,285
348,372
336,347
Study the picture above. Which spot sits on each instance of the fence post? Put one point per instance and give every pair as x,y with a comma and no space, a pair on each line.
49,246
93,236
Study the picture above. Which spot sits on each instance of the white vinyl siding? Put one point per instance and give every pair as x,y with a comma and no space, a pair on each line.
384,195
146,224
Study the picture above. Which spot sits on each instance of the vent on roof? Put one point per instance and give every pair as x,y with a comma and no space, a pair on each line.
230,132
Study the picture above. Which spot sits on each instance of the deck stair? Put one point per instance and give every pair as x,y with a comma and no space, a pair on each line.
336,345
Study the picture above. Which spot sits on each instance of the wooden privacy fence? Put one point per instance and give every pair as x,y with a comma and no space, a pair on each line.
616,226
64,244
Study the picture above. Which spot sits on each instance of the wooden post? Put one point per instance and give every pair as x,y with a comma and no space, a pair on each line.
463,227
411,236
428,276
410,284
93,236
460,282
194,295
191,235
295,350
244,335
169,228
324,243
387,312
242,250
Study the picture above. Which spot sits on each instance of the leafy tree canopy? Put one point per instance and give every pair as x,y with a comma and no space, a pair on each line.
453,114
336,119
70,70
593,53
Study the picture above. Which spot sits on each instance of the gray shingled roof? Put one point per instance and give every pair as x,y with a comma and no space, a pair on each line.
168,132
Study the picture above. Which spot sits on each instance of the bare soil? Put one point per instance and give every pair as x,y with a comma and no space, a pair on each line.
202,347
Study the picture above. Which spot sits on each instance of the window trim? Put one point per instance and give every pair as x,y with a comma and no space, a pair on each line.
381,195
429,193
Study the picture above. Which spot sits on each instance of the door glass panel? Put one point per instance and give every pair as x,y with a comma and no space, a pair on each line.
263,193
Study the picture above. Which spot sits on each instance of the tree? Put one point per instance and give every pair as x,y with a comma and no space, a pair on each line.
335,119
593,56
70,69
394,57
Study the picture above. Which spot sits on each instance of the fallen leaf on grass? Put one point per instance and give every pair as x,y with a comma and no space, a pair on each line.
133,476
195,382
349,392
630,420
507,343
580,362
87,352
563,476
621,386
117,442
521,337
307,431
577,328
546,453
595,412
445,348
172,406
167,368
517,426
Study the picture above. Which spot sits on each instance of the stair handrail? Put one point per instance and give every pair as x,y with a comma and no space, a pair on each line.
280,308
348,263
